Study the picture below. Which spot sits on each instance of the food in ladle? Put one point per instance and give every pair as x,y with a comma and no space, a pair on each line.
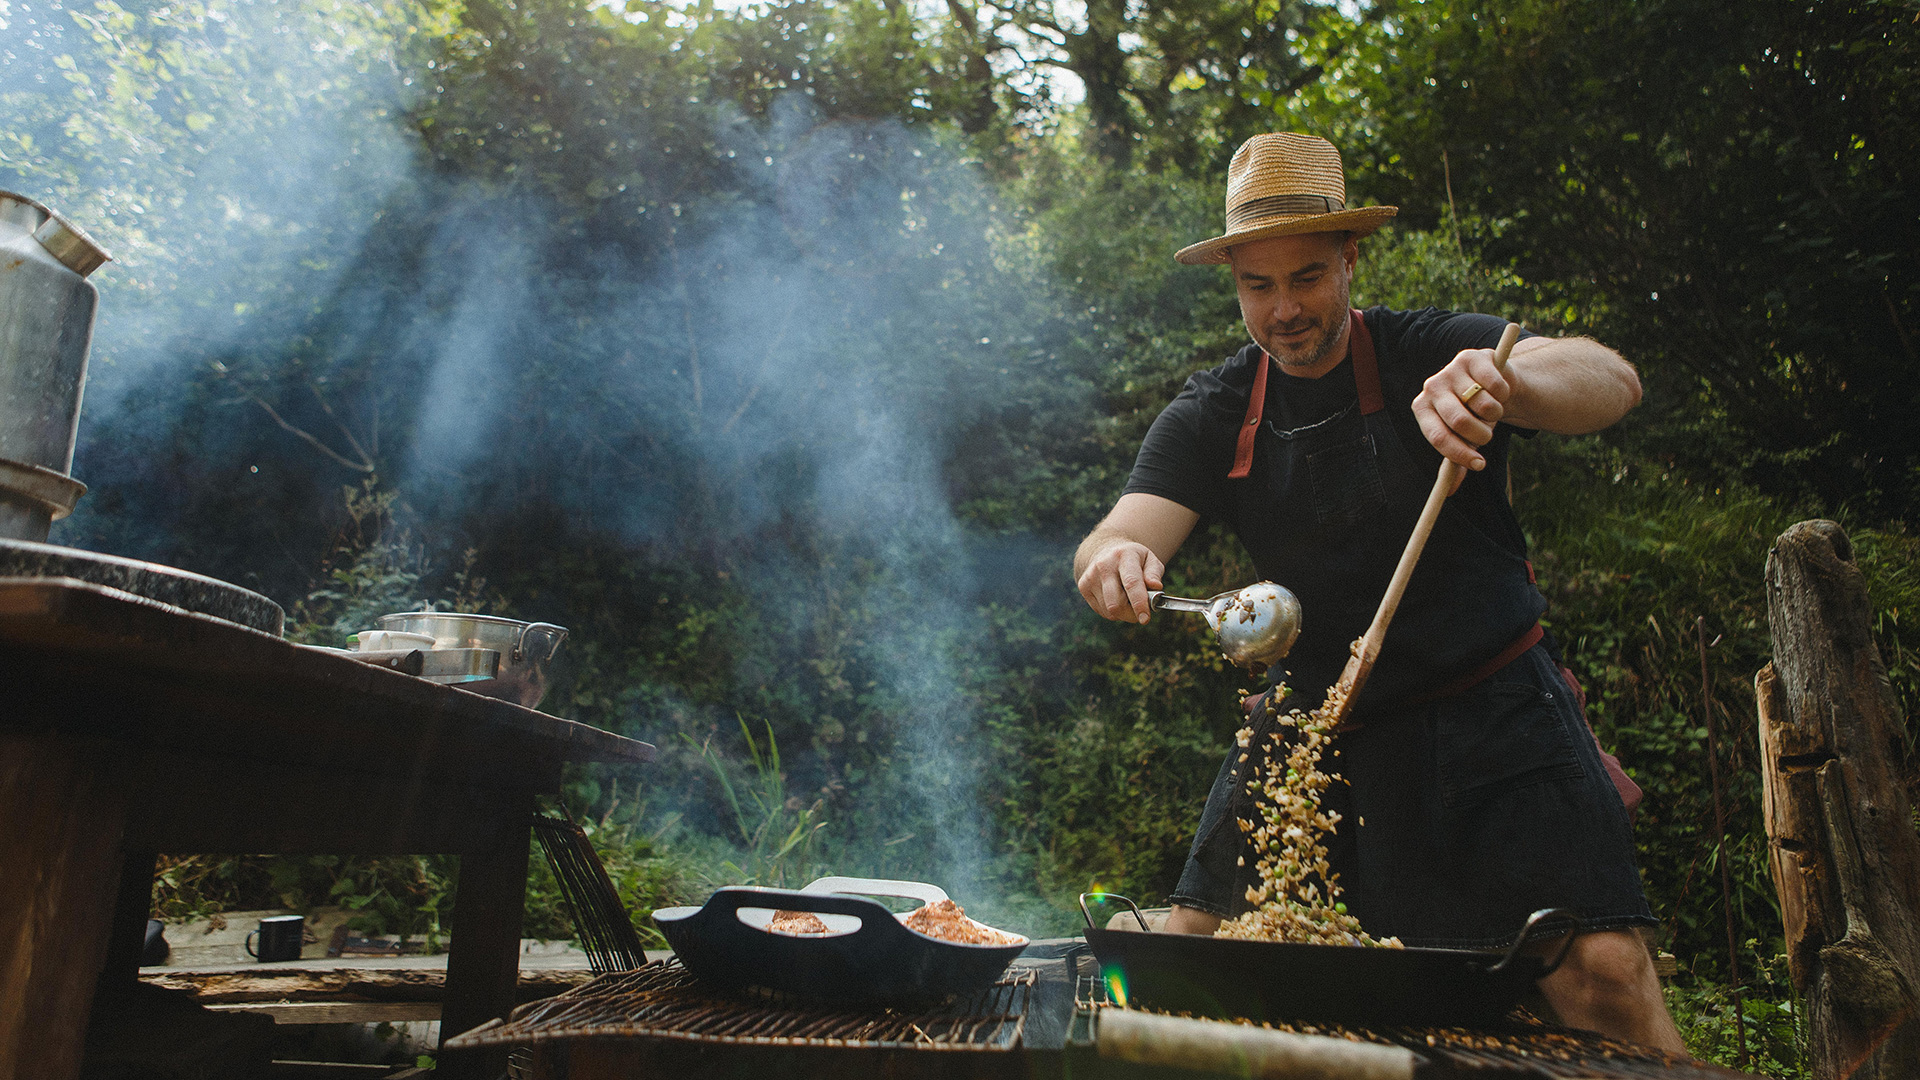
947,921
797,923
1297,898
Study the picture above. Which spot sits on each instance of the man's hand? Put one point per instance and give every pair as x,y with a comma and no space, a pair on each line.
1456,418
1569,386
1117,578
1122,559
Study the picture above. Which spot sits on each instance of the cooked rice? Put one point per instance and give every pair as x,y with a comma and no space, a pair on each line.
1297,898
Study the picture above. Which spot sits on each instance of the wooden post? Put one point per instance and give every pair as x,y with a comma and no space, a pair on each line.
61,821
483,963
1841,840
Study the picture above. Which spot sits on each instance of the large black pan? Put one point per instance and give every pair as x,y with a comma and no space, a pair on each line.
880,962
1271,980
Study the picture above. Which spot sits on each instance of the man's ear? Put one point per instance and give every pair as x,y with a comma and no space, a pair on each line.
1350,252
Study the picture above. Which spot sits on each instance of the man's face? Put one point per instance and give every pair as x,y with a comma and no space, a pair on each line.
1293,296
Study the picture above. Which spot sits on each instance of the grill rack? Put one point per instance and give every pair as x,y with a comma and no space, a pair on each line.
1520,1047
662,1000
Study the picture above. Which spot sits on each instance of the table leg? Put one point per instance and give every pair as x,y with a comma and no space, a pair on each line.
62,816
483,964
133,905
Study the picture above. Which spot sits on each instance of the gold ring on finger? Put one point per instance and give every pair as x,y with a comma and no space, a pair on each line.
1467,394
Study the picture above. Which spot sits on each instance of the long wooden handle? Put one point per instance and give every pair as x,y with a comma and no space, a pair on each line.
1360,664
1240,1050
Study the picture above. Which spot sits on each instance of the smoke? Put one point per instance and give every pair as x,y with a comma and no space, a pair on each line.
772,352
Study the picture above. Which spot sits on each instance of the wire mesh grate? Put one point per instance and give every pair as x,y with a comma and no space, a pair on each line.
662,1000
600,921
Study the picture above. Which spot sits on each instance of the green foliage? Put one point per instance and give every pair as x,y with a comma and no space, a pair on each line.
1711,1017
1718,190
776,831
1715,183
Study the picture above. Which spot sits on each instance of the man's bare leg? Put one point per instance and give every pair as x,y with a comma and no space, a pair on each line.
1607,985
1186,920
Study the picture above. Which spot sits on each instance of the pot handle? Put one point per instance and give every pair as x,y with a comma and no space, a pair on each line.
860,886
1550,919
554,635
1088,915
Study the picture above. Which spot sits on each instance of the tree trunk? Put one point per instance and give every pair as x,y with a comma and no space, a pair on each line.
1097,56
1841,839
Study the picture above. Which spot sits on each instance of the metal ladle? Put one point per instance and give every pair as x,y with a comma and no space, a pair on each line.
1255,626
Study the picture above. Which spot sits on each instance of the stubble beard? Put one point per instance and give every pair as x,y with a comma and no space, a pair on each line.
1315,351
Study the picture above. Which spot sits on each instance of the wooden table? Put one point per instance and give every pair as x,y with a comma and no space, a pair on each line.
130,728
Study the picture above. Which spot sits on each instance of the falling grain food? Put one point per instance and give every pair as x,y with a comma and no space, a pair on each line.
1297,897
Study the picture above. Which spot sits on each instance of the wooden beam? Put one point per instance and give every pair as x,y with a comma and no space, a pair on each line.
347,984
223,805
483,963
1841,842
61,809
337,1012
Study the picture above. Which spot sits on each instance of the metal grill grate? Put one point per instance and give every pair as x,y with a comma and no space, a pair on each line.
662,1000
600,921
1520,1047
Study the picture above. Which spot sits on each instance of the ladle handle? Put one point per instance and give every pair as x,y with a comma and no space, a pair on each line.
1360,664
1179,603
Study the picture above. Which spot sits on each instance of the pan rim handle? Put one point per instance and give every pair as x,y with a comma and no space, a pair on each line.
1555,916
1088,915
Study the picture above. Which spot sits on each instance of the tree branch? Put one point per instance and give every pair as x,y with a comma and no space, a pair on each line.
364,465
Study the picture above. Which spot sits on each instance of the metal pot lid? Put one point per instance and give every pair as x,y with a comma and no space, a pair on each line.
64,240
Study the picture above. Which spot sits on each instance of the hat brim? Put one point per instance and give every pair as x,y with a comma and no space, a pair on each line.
1359,221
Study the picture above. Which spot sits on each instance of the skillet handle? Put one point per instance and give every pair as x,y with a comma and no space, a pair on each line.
728,901
1549,918
1088,915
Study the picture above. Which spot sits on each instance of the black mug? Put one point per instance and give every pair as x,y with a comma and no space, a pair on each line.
280,938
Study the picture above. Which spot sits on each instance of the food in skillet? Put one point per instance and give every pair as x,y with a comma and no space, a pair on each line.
947,921
797,923
1297,898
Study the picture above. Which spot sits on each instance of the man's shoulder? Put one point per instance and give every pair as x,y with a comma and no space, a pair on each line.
1429,337
1225,387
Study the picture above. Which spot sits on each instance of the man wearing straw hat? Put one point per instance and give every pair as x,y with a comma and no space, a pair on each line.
1475,793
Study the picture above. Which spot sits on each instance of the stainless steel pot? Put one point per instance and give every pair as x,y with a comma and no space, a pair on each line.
46,328
526,649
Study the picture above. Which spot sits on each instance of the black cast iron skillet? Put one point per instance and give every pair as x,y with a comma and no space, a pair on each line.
1271,980
881,962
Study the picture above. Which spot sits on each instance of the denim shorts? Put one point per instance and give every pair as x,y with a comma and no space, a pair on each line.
1460,817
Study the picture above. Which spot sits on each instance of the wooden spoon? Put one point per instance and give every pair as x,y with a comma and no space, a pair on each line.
1360,664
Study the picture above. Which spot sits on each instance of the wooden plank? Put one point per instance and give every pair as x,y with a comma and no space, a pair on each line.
1844,854
348,983
483,964
132,906
334,1070
84,654
337,1012
61,805
223,805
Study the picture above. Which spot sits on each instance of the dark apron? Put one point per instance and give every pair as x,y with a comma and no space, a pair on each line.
1483,792
1326,510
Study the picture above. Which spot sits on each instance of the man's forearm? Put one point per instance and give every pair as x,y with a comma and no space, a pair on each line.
1570,386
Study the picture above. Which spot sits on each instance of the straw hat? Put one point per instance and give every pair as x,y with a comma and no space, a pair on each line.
1282,184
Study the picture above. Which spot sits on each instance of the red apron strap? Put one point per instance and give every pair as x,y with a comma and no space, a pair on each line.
1366,366
1487,670
1366,380
1256,405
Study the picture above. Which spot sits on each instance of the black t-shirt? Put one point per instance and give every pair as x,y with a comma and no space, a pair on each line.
1190,449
